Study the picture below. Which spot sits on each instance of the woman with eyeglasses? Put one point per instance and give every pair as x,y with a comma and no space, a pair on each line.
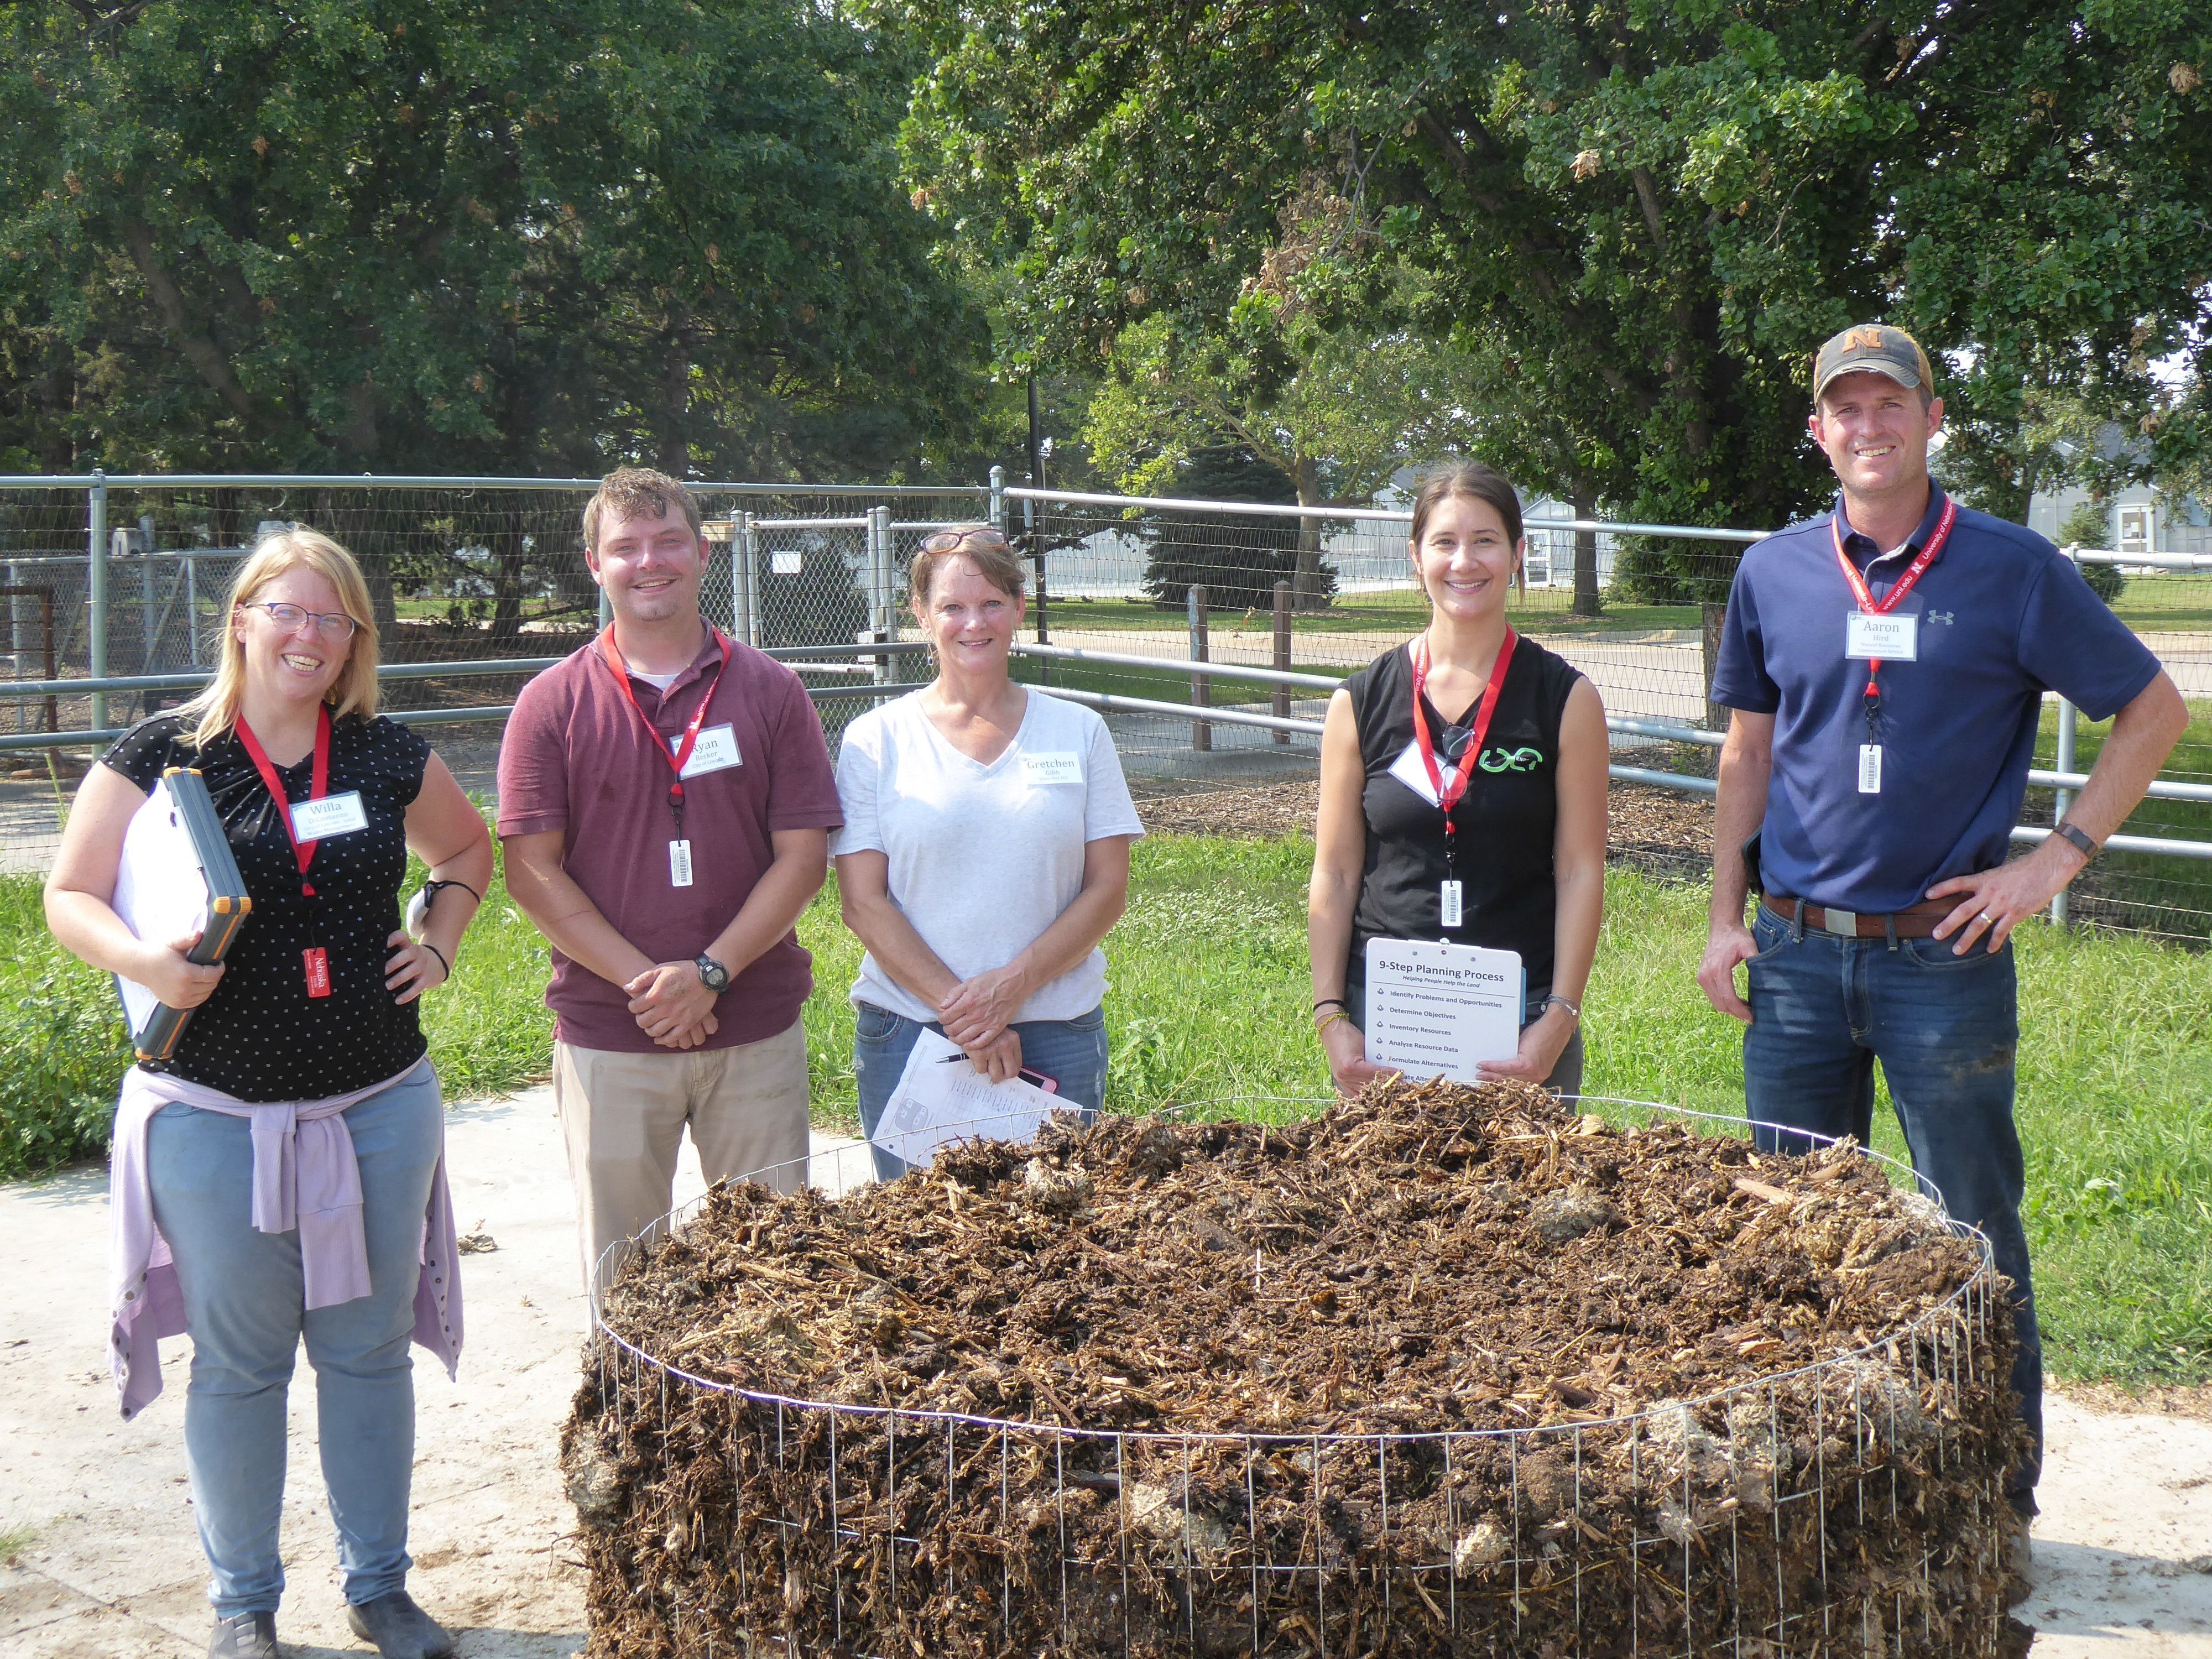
985,852
284,1176
1462,796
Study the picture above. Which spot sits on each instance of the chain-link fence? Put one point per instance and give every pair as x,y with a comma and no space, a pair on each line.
1209,633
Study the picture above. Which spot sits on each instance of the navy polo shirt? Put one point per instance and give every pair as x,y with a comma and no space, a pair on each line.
2002,618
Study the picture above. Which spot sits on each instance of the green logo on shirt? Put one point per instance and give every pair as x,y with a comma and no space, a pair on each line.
1523,759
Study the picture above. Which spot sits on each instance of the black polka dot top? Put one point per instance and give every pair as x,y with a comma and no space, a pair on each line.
261,1036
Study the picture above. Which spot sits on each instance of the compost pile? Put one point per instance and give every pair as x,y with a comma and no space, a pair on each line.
1444,1370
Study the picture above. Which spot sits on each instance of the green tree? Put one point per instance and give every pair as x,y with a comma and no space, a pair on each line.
1654,211
422,234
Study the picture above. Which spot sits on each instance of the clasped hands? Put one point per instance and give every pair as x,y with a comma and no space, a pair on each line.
978,1014
673,1006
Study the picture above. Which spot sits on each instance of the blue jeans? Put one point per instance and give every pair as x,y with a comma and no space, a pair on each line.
1946,1028
245,1308
1073,1052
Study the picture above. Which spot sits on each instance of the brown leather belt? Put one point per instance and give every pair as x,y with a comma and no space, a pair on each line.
1918,922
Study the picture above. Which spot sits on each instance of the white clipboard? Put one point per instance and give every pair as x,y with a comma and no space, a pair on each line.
1442,1009
160,891
941,1097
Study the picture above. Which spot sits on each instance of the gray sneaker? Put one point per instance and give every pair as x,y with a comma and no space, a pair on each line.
400,1628
244,1636
2020,1563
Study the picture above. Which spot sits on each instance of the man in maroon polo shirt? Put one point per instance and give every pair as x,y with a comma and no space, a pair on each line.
665,799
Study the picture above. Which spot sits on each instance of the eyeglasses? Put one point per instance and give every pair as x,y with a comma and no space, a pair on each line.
333,625
945,540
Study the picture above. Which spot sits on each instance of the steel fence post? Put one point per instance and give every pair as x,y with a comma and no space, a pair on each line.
2064,797
95,592
1201,732
192,611
879,587
1282,654
744,581
998,498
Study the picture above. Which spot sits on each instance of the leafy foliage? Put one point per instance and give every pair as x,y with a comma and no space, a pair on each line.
424,235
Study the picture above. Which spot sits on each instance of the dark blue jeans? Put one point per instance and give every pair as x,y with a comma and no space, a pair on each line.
1946,1028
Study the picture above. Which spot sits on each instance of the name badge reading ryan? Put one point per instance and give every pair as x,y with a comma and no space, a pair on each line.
333,815
1053,766
1893,639
716,750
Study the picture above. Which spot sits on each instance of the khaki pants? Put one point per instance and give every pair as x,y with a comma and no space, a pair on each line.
622,1117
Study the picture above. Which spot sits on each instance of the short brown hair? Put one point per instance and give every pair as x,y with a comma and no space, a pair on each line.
637,492
983,545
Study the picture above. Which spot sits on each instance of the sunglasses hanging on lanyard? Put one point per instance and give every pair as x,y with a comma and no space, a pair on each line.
1449,790
315,958
678,757
1871,633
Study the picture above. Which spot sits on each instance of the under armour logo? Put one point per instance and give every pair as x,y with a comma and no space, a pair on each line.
1946,617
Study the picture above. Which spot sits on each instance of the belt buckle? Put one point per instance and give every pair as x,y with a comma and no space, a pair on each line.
1846,922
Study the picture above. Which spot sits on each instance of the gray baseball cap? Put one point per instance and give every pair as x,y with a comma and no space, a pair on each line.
1873,348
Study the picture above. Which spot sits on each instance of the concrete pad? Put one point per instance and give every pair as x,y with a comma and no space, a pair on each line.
112,1567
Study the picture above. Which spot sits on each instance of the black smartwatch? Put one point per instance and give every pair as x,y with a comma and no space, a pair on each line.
712,974
2079,837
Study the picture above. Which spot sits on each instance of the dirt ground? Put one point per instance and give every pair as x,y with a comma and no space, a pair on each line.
95,1526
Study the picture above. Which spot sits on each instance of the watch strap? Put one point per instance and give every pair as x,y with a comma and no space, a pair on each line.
710,971
2079,837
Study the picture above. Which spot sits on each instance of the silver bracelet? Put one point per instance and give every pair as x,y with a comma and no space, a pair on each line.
1563,1003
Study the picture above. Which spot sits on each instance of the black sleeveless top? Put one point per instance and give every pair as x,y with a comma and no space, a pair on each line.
1504,822
260,1037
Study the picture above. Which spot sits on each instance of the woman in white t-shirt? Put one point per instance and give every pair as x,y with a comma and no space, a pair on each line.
985,852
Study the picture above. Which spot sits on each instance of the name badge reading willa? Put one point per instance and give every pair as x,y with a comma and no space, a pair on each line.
333,815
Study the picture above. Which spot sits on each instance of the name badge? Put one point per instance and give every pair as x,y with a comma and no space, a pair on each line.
1053,767
716,750
1408,771
1893,639
333,815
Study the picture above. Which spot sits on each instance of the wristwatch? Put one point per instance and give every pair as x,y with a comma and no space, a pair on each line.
2079,837
712,974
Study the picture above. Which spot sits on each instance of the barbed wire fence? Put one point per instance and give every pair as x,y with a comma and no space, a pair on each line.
1210,634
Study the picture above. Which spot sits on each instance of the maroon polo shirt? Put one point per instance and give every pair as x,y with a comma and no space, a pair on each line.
576,758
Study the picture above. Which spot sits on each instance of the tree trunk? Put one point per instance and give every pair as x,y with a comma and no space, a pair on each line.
670,421
505,542
1586,603
1306,589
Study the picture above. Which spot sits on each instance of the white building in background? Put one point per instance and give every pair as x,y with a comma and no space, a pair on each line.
2138,520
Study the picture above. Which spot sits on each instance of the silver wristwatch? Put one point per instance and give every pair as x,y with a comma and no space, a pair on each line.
712,974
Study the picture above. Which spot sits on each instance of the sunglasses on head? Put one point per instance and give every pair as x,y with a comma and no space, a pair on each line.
945,541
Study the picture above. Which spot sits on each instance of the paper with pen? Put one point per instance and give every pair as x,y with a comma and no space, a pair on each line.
941,1097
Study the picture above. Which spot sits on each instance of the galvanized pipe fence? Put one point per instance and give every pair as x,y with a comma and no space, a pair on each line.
1171,615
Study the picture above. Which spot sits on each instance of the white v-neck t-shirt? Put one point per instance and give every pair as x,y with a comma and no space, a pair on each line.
983,858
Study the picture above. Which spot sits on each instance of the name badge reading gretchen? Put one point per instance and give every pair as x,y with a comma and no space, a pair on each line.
1058,766
1892,639
333,815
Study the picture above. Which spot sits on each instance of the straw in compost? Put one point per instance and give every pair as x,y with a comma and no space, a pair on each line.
1444,1370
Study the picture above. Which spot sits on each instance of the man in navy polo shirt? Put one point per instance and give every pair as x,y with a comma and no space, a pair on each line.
1885,664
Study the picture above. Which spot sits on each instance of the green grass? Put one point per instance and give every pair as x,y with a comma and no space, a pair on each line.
1208,1002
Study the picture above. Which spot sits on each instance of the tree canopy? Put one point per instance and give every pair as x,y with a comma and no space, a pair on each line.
1641,215
427,235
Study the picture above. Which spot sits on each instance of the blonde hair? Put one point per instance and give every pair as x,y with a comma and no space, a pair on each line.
637,492
354,691
983,545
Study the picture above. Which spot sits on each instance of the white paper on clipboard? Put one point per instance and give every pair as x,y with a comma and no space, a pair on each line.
161,892
1437,1008
942,1098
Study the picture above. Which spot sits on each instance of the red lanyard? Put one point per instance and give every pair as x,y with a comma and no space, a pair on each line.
1449,794
303,851
1913,573
682,755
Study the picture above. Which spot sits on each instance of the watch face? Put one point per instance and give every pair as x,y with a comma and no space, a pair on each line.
713,975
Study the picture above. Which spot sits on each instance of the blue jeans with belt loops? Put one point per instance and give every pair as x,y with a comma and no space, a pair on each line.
1946,1029
246,1310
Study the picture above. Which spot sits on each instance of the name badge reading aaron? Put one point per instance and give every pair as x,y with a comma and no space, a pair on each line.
333,815
1893,639
1053,766
716,750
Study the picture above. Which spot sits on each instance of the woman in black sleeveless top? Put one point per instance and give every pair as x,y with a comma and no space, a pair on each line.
1526,845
